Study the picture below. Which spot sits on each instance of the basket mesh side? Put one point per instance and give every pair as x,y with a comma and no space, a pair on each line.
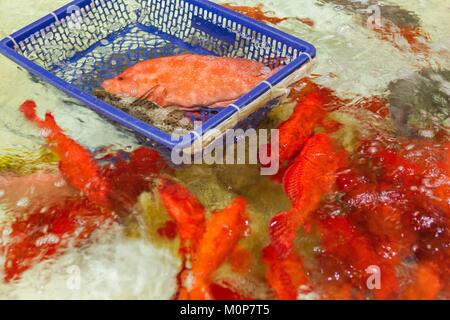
110,58
184,20
77,32
96,23
105,37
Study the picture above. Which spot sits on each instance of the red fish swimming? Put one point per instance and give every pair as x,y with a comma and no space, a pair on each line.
257,12
189,81
223,231
75,162
295,131
306,182
137,172
420,166
427,284
342,242
204,245
46,233
285,274
186,211
417,40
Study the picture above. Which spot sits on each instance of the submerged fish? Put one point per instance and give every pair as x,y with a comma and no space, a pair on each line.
49,232
419,103
310,178
285,274
187,212
57,216
396,25
188,81
353,254
70,217
259,13
295,131
223,231
205,245
75,162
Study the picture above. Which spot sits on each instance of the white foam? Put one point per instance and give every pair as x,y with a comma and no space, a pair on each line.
114,267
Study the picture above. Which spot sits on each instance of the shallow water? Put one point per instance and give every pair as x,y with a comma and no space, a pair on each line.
353,61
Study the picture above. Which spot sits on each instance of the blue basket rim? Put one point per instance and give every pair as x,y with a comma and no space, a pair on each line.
141,127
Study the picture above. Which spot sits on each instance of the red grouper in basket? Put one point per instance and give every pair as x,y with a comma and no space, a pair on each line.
189,81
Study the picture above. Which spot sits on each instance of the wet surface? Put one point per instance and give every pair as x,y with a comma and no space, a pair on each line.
380,95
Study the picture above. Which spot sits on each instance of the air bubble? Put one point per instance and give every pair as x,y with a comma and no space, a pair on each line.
45,133
47,239
266,70
22,202
60,183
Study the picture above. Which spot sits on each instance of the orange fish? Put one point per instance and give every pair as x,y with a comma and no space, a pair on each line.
257,13
189,81
223,231
137,171
285,274
416,38
186,211
306,182
295,131
47,233
341,240
426,285
75,162
240,260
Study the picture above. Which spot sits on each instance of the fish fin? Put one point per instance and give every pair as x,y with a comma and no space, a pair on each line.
221,104
282,232
292,181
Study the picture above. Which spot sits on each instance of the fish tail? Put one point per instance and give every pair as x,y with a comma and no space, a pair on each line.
28,108
285,274
224,230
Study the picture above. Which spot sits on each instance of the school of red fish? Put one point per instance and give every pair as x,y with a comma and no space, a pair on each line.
384,204
369,208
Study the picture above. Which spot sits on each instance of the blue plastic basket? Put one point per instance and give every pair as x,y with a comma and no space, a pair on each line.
78,46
